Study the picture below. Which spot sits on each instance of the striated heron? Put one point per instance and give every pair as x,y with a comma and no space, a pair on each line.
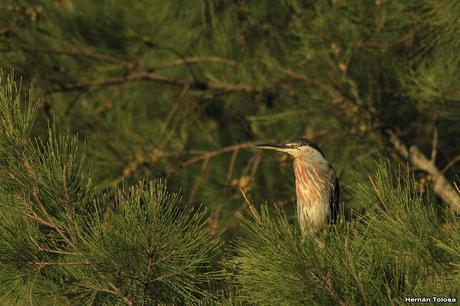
317,186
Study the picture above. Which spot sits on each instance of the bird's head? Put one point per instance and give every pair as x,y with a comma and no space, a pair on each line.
297,147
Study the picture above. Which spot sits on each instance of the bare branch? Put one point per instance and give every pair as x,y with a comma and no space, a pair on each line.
450,163
209,155
434,145
231,166
172,112
74,52
196,60
158,78
441,185
198,180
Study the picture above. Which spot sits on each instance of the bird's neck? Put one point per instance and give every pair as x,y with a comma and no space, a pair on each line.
309,162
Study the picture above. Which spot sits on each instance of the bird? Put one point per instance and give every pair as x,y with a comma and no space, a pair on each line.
316,184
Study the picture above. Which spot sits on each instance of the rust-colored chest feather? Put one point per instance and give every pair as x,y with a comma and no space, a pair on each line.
312,182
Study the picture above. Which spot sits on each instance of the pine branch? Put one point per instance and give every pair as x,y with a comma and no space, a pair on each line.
208,155
48,221
67,241
197,60
73,52
158,78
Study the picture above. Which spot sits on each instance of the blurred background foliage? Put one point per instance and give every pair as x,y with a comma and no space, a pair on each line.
180,90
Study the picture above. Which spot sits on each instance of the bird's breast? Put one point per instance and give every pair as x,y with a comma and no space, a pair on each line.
313,185
312,182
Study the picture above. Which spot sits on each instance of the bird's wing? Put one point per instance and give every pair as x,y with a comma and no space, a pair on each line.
334,198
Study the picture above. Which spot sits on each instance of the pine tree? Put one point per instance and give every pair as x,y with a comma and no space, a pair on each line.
400,248
64,241
180,90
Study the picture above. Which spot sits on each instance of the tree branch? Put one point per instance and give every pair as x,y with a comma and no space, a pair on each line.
158,78
49,221
196,60
72,51
451,163
209,155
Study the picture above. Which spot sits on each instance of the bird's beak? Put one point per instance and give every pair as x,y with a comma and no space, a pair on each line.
273,146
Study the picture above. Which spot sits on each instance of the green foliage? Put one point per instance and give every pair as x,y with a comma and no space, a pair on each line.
403,246
16,118
179,91
433,82
137,85
160,253
65,242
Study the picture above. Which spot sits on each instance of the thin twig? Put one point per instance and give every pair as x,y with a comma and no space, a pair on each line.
208,155
231,166
73,102
450,164
196,60
60,252
147,276
434,145
42,264
173,111
198,180
245,197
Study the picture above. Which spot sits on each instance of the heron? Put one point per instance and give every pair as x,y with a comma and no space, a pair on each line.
316,184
